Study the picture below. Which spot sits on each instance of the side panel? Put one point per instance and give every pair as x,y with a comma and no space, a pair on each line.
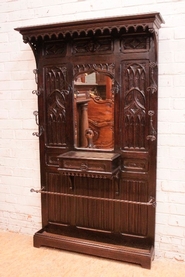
138,163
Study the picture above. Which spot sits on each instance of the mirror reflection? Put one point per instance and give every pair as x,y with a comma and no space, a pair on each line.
94,111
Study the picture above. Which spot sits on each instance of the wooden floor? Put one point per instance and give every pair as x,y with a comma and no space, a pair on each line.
18,258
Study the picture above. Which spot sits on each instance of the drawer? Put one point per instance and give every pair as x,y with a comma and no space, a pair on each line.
97,163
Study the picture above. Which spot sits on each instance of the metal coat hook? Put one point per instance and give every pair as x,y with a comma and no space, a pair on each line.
35,71
153,87
41,129
37,92
152,134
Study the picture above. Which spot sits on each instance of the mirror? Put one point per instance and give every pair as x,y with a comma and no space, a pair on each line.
94,111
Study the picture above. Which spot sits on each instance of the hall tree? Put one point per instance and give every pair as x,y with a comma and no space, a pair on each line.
97,128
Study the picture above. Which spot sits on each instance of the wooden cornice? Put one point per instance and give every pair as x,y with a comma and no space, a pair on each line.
148,22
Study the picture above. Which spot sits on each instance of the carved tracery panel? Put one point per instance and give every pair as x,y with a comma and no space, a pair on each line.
134,106
57,92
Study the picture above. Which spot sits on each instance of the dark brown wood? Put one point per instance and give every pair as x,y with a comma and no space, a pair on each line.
101,121
98,200
89,164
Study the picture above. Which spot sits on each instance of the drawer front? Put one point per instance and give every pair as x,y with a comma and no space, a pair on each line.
84,165
52,159
135,165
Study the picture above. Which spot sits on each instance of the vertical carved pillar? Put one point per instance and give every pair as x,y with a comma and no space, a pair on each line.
108,88
84,125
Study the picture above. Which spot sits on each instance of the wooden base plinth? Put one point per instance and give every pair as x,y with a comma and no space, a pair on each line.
96,243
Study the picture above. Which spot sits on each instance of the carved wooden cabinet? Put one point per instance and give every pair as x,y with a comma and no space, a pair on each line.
97,120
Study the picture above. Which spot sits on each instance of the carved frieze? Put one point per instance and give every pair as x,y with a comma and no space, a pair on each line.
54,48
134,43
92,46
